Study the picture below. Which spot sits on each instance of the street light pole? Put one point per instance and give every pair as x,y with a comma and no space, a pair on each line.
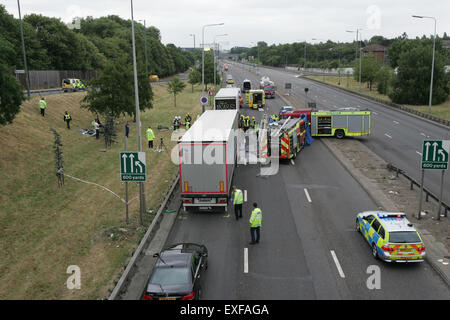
193,35
214,58
138,114
432,63
27,75
358,31
203,56
304,61
145,48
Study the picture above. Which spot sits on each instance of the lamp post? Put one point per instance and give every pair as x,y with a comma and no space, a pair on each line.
193,35
138,114
214,57
432,63
145,48
203,56
323,57
358,32
27,75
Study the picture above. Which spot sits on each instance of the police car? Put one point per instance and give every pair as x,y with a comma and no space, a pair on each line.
391,236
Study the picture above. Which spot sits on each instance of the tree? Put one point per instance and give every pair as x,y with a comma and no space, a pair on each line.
11,96
194,77
383,79
412,83
370,68
113,90
175,87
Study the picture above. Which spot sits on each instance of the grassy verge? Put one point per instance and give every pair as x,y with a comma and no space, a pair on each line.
44,229
442,110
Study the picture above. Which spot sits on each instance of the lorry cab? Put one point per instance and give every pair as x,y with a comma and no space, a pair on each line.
256,99
230,79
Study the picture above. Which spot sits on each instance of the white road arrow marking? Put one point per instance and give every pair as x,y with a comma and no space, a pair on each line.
124,157
435,145
138,164
132,162
441,153
427,149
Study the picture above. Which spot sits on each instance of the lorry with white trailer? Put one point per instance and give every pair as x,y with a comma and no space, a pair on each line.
227,99
208,157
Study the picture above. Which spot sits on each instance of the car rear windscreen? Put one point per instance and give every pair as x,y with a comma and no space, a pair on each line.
404,237
170,276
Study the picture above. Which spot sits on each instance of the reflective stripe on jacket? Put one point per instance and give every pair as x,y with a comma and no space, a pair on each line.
42,104
150,135
238,197
256,218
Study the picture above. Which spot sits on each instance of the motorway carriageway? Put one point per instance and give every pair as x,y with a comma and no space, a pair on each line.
397,137
309,248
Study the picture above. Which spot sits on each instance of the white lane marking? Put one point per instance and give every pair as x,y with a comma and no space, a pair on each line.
423,134
388,136
292,162
245,260
307,195
245,195
396,122
418,153
338,266
374,113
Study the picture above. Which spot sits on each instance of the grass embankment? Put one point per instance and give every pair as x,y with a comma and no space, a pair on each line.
44,229
442,110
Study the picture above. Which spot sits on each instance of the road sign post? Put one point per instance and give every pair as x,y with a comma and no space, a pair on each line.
203,101
126,185
435,156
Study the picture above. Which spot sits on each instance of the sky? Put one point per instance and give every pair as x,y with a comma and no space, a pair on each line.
248,21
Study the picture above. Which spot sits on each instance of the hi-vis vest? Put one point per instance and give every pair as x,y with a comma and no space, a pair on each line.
256,218
42,104
150,135
238,197
67,116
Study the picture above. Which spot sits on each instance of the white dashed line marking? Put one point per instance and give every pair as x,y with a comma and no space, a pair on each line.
245,195
388,136
245,260
307,195
338,266
420,154
396,122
